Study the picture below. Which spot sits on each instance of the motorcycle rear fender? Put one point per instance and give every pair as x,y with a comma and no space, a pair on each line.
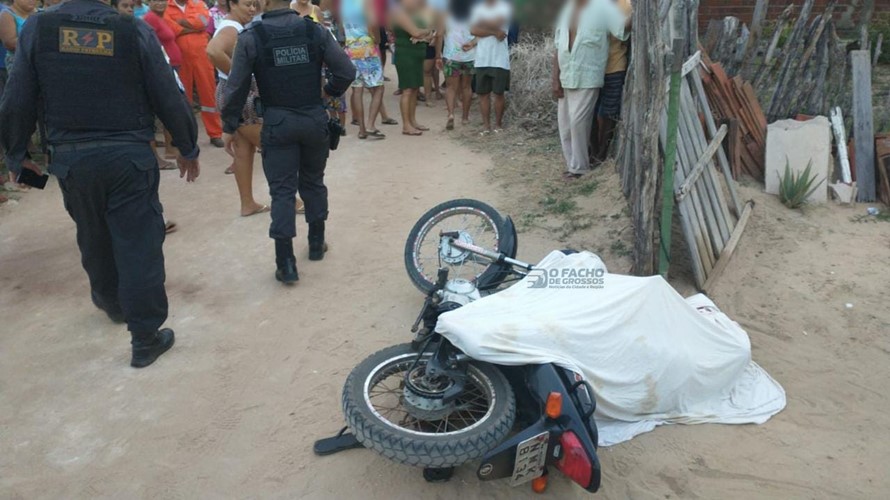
541,381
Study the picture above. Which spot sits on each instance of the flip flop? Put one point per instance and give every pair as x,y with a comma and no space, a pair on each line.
389,121
354,122
170,227
263,209
412,133
422,128
231,169
376,134
362,136
450,124
166,165
301,207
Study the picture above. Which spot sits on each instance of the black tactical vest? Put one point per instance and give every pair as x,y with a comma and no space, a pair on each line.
90,74
288,66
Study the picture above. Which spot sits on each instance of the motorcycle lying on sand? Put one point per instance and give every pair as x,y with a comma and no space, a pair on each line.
427,404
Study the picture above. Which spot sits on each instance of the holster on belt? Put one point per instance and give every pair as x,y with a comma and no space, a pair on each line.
334,131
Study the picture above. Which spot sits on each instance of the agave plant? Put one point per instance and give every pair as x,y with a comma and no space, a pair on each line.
795,189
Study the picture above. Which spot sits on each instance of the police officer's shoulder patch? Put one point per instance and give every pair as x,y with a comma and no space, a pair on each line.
291,55
88,41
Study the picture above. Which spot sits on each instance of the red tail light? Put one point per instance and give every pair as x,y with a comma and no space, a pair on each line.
574,462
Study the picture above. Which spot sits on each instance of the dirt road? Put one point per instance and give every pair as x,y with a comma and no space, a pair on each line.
255,377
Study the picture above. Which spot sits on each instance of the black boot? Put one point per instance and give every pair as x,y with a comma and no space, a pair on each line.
317,246
113,311
285,261
148,346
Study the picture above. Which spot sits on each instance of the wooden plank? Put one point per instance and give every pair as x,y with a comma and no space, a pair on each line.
703,162
721,156
882,152
750,51
691,63
731,245
863,126
879,46
840,136
717,208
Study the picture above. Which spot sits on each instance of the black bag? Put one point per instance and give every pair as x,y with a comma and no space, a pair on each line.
334,132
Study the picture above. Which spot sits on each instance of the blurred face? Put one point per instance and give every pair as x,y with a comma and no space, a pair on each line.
157,6
125,7
243,11
25,5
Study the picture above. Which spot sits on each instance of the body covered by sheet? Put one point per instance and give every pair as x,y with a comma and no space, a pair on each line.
651,356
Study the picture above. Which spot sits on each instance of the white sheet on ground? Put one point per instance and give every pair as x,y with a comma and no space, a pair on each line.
651,356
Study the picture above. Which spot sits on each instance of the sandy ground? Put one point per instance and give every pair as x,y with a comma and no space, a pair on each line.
255,377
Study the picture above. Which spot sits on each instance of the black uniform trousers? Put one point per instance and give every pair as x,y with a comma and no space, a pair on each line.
295,153
112,195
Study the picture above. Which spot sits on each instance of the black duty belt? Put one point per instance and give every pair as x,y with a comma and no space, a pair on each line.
82,146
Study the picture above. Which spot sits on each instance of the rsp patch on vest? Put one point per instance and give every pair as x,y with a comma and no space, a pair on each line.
288,56
87,41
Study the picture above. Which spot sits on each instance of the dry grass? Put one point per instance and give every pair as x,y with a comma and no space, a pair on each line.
531,105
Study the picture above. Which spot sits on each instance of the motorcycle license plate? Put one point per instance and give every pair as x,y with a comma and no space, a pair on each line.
530,457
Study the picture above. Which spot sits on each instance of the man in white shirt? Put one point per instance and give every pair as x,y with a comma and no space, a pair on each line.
490,23
579,66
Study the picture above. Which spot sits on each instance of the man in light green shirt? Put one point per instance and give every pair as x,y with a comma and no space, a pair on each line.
579,65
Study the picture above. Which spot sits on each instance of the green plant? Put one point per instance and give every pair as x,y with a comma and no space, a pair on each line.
795,189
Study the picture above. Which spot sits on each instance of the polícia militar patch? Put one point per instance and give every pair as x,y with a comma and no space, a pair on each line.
86,41
288,56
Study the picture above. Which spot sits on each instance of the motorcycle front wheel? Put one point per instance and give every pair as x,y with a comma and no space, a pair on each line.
375,410
476,223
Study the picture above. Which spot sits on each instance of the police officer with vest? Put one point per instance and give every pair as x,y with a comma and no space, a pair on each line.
285,53
97,79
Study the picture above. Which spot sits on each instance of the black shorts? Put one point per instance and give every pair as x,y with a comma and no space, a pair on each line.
490,80
609,103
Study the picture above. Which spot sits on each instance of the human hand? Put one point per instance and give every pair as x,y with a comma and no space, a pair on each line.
468,46
558,91
184,23
501,35
188,168
30,165
229,143
440,64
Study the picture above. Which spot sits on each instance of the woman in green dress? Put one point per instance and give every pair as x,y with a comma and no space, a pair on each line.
412,39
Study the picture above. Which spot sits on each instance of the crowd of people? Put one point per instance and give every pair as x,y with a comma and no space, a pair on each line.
461,46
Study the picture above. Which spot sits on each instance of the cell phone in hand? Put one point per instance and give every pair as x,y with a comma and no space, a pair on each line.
30,178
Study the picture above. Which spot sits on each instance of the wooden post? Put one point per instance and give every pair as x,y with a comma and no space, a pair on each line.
878,48
863,125
670,155
639,155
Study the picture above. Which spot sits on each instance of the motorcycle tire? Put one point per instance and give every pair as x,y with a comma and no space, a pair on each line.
426,283
421,449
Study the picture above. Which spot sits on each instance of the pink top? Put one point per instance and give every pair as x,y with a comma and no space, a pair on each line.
166,37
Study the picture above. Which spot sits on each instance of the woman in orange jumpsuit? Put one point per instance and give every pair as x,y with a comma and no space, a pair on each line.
189,20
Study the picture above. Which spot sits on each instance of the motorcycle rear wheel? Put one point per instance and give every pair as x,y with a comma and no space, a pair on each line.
416,442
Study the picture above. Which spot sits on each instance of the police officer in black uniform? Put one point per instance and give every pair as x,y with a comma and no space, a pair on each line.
97,79
285,53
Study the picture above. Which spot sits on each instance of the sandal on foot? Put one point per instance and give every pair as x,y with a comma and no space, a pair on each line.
231,169
414,133
450,124
170,227
376,134
166,165
389,121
